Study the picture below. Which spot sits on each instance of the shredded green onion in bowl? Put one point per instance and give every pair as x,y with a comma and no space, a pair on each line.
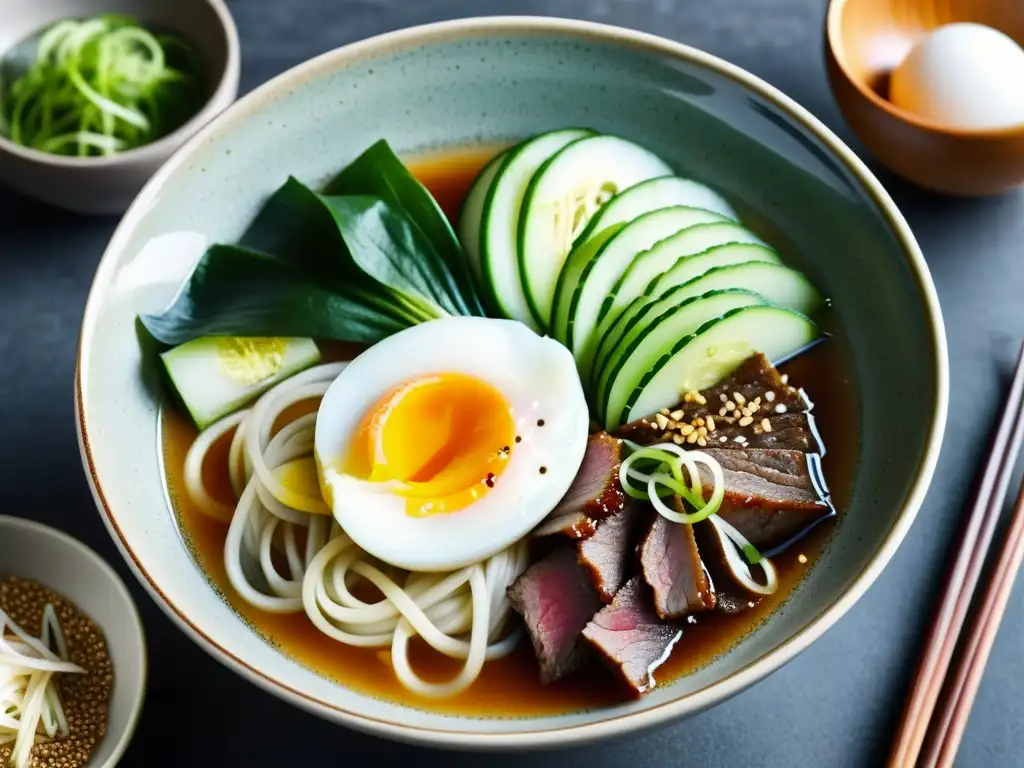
99,86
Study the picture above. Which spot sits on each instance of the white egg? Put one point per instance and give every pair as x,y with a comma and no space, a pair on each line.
404,430
962,75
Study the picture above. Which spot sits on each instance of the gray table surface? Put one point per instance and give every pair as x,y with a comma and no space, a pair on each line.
835,705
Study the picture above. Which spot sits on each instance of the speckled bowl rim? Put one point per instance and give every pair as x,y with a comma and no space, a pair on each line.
224,92
139,692
616,725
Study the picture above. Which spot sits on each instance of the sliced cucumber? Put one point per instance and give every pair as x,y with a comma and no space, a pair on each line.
563,195
216,375
569,278
650,195
661,335
499,221
591,289
711,353
686,269
471,216
660,259
774,283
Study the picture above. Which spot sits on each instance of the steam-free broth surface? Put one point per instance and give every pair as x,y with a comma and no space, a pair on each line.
511,686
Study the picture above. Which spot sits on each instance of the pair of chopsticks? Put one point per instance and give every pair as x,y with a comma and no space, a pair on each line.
926,738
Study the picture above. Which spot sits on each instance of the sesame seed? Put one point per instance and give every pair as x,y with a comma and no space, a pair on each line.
745,411
700,399
802,558
687,397
666,436
740,439
692,438
710,424
723,398
663,411
677,415
702,431
701,442
698,422
785,378
661,420
746,421
739,398
780,408
730,405
678,439
753,407
723,439
722,411
757,400
766,425
769,396
736,414
686,429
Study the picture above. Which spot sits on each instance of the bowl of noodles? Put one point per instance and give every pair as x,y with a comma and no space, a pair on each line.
547,404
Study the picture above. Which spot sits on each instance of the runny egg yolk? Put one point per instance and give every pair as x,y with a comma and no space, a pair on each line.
440,441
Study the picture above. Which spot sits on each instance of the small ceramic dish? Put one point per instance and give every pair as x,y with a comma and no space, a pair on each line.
39,553
106,185
478,83
864,41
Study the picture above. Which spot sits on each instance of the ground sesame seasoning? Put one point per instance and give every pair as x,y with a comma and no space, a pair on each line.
86,696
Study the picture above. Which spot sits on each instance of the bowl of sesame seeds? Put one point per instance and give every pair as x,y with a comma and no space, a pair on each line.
72,644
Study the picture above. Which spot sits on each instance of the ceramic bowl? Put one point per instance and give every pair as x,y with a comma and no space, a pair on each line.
106,185
488,81
54,559
865,41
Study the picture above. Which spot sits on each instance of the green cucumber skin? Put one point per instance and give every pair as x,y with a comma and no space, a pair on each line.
624,356
485,214
537,311
812,333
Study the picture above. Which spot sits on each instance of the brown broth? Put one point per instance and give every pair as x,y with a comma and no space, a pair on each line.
511,686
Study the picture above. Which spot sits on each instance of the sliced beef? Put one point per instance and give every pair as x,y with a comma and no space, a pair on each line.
631,638
755,386
595,492
770,495
672,567
731,596
609,554
575,525
556,598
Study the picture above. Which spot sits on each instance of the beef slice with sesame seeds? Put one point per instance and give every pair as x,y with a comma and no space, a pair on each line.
770,494
790,424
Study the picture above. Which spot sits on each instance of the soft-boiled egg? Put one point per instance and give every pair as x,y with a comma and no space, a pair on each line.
962,75
447,442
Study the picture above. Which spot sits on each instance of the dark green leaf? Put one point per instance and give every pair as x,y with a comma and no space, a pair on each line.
379,172
235,291
387,246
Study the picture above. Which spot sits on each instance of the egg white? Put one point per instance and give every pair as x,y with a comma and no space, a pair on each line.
538,379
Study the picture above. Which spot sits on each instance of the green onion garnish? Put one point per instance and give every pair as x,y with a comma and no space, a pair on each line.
750,552
99,86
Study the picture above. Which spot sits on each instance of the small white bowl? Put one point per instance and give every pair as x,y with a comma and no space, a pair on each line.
106,185
57,561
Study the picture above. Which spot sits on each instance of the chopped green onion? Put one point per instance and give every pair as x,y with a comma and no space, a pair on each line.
98,87
665,477
750,552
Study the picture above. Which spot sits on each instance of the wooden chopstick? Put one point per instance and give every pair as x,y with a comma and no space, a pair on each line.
949,726
962,578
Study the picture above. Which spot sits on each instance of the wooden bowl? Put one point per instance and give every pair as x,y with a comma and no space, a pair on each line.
865,40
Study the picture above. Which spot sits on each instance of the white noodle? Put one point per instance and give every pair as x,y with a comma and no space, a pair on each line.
462,614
